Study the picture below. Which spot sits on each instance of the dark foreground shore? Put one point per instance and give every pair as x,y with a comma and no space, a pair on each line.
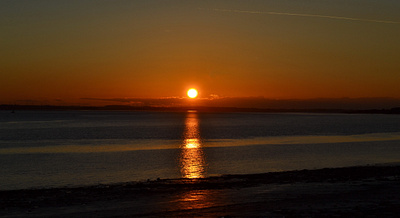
368,191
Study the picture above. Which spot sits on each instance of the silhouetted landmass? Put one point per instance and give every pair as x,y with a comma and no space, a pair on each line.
395,110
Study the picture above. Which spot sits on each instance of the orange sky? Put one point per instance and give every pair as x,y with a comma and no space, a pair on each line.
64,52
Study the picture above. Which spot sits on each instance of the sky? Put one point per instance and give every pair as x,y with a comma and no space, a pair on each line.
99,52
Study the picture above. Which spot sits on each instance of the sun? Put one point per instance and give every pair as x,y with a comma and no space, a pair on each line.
192,93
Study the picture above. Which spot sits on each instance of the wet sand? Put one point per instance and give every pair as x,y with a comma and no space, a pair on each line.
367,191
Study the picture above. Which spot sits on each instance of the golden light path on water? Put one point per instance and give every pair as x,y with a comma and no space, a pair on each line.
193,166
192,161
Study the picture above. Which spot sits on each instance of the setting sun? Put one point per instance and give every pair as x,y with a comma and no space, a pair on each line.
192,93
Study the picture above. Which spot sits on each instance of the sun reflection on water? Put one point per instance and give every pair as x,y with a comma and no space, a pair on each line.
192,161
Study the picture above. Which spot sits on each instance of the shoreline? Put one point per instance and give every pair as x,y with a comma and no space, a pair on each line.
202,109
354,191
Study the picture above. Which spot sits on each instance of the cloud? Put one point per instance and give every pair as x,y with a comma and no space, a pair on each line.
304,15
259,102
157,102
153,102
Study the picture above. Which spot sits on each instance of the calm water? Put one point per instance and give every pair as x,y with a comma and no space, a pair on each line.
52,149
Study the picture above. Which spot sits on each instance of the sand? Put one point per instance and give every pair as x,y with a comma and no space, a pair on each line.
367,191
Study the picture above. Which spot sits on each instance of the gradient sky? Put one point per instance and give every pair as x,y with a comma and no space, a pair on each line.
76,51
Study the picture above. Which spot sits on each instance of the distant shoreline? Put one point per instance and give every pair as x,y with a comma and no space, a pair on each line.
14,108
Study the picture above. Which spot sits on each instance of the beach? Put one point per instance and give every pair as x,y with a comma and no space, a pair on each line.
367,191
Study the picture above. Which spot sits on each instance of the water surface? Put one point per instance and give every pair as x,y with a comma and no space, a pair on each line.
72,148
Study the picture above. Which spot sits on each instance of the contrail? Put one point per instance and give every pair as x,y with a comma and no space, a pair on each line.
305,15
